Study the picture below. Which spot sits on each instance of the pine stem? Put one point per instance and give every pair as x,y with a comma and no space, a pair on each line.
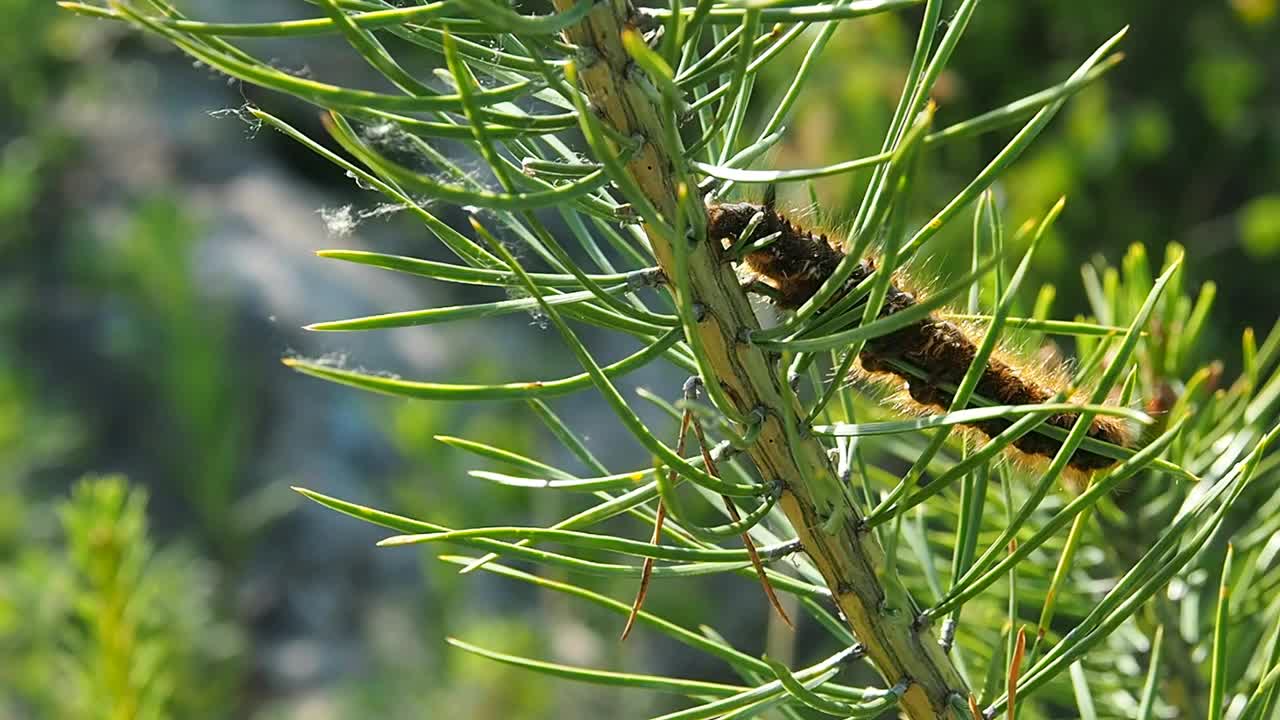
881,615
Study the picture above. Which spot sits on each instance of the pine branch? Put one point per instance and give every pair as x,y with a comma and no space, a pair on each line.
828,523
1187,479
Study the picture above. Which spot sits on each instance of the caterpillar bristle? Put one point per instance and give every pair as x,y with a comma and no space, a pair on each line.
800,260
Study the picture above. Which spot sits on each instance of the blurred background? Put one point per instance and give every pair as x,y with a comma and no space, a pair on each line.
158,263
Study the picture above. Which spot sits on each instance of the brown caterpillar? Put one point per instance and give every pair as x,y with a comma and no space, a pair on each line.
797,263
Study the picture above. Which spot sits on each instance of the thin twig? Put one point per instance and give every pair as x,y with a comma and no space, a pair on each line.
646,572
746,536
1015,669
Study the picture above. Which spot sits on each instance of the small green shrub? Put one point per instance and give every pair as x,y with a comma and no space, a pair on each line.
97,623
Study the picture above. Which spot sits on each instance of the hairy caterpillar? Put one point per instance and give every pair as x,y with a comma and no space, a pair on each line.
796,264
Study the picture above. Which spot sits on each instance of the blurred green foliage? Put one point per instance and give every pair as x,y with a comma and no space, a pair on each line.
165,341
36,50
1181,143
198,387
1260,226
95,622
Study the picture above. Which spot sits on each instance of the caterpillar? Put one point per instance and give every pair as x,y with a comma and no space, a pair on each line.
799,260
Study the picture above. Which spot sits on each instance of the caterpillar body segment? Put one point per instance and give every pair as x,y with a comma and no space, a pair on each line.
939,350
